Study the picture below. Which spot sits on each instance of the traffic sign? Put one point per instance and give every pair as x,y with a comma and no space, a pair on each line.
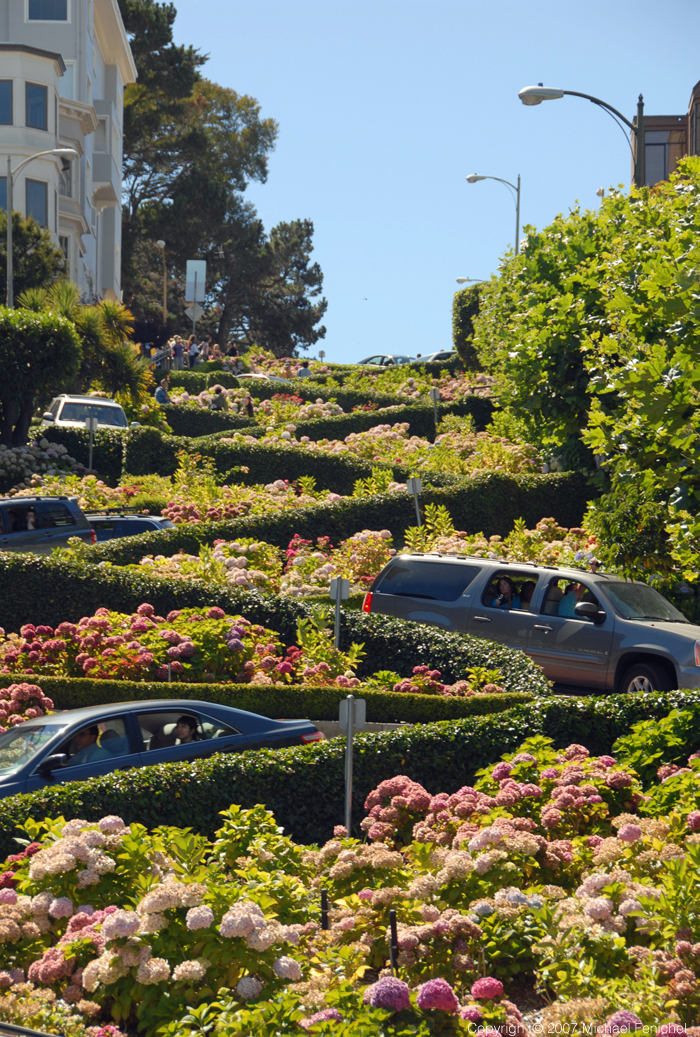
195,280
194,311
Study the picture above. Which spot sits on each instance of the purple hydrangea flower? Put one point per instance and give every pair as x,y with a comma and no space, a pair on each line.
622,1022
321,1017
437,993
392,994
471,1013
487,989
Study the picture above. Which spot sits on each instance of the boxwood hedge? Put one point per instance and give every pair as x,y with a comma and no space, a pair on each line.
196,421
42,590
383,707
109,448
488,503
304,787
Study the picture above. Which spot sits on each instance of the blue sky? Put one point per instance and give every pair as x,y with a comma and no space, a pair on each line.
384,107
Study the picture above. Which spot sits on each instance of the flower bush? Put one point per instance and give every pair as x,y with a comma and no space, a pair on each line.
452,452
20,466
555,876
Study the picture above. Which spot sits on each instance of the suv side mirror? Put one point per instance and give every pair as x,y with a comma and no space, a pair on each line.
53,763
48,416
587,610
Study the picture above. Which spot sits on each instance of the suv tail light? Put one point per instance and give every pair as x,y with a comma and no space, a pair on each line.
367,603
317,736
93,540
697,653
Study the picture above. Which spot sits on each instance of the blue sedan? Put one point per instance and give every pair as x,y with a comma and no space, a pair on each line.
83,743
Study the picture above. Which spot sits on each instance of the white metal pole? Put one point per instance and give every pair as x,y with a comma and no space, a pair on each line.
517,219
337,617
194,306
348,762
91,442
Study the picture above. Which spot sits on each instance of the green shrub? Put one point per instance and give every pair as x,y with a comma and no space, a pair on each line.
109,447
383,707
489,503
36,589
304,788
196,421
195,381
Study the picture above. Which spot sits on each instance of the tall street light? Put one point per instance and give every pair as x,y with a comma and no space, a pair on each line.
161,246
11,174
531,95
471,280
473,178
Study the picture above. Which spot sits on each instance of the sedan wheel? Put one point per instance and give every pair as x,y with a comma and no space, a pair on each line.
644,678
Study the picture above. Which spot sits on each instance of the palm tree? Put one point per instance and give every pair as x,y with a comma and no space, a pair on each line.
108,361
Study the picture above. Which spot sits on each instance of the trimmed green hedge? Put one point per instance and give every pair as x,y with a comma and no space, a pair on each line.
304,787
195,381
108,448
35,589
487,503
383,707
195,421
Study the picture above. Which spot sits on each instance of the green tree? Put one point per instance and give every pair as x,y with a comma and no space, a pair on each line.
37,262
38,352
465,310
268,288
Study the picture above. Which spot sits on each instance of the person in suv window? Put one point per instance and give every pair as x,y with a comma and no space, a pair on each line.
567,605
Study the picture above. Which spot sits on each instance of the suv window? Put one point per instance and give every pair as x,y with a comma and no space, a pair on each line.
53,515
129,527
509,589
436,581
106,415
20,518
562,597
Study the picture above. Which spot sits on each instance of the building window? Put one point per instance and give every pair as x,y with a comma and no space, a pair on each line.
662,150
6,102
66,84
37,201
101,136
48,10
37,104
63,245
65,180
3,193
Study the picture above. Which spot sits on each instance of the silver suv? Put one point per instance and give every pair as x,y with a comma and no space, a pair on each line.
586,630
38,524
71,411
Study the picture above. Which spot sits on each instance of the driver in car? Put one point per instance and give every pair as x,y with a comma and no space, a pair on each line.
88,749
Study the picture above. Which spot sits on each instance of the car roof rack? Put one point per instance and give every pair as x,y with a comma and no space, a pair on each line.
503,561
117,511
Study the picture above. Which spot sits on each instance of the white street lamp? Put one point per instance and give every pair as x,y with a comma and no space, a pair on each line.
474,178
531,95
11,174
471,280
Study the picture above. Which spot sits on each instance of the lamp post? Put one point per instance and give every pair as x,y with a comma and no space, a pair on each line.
470,280
531,95
473,178
161,246
11,174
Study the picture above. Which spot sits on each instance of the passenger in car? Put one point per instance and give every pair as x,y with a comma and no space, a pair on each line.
526,592
568,603
186,730
508,597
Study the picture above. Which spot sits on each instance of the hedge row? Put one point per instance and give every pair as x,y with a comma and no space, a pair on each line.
304,787
195,421
488,503
43,590
383,707
108,448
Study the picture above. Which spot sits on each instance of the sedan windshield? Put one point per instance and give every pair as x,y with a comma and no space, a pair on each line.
21,744
637,601
105,415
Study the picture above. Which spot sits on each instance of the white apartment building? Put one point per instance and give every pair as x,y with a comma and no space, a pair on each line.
63,68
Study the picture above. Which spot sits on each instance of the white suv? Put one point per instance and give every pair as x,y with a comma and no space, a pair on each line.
71,411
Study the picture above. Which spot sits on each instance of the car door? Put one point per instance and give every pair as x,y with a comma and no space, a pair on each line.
115,750
427,591
161,745
55,522
493,618
15,535
571,650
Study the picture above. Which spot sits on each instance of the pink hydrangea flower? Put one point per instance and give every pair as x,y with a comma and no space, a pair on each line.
62,907
437,994
629,833
501,770
487,989
366,894
199,918
340,831
471,1013
671,1030
694,820
216,613
326,1015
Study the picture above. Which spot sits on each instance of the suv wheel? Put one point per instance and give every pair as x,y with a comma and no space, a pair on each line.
643,678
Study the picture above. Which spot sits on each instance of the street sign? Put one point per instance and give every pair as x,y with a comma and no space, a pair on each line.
339,591
195,280
194,311
415,486
360,714
91,424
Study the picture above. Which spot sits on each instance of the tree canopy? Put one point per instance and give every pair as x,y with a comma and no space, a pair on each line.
37,261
